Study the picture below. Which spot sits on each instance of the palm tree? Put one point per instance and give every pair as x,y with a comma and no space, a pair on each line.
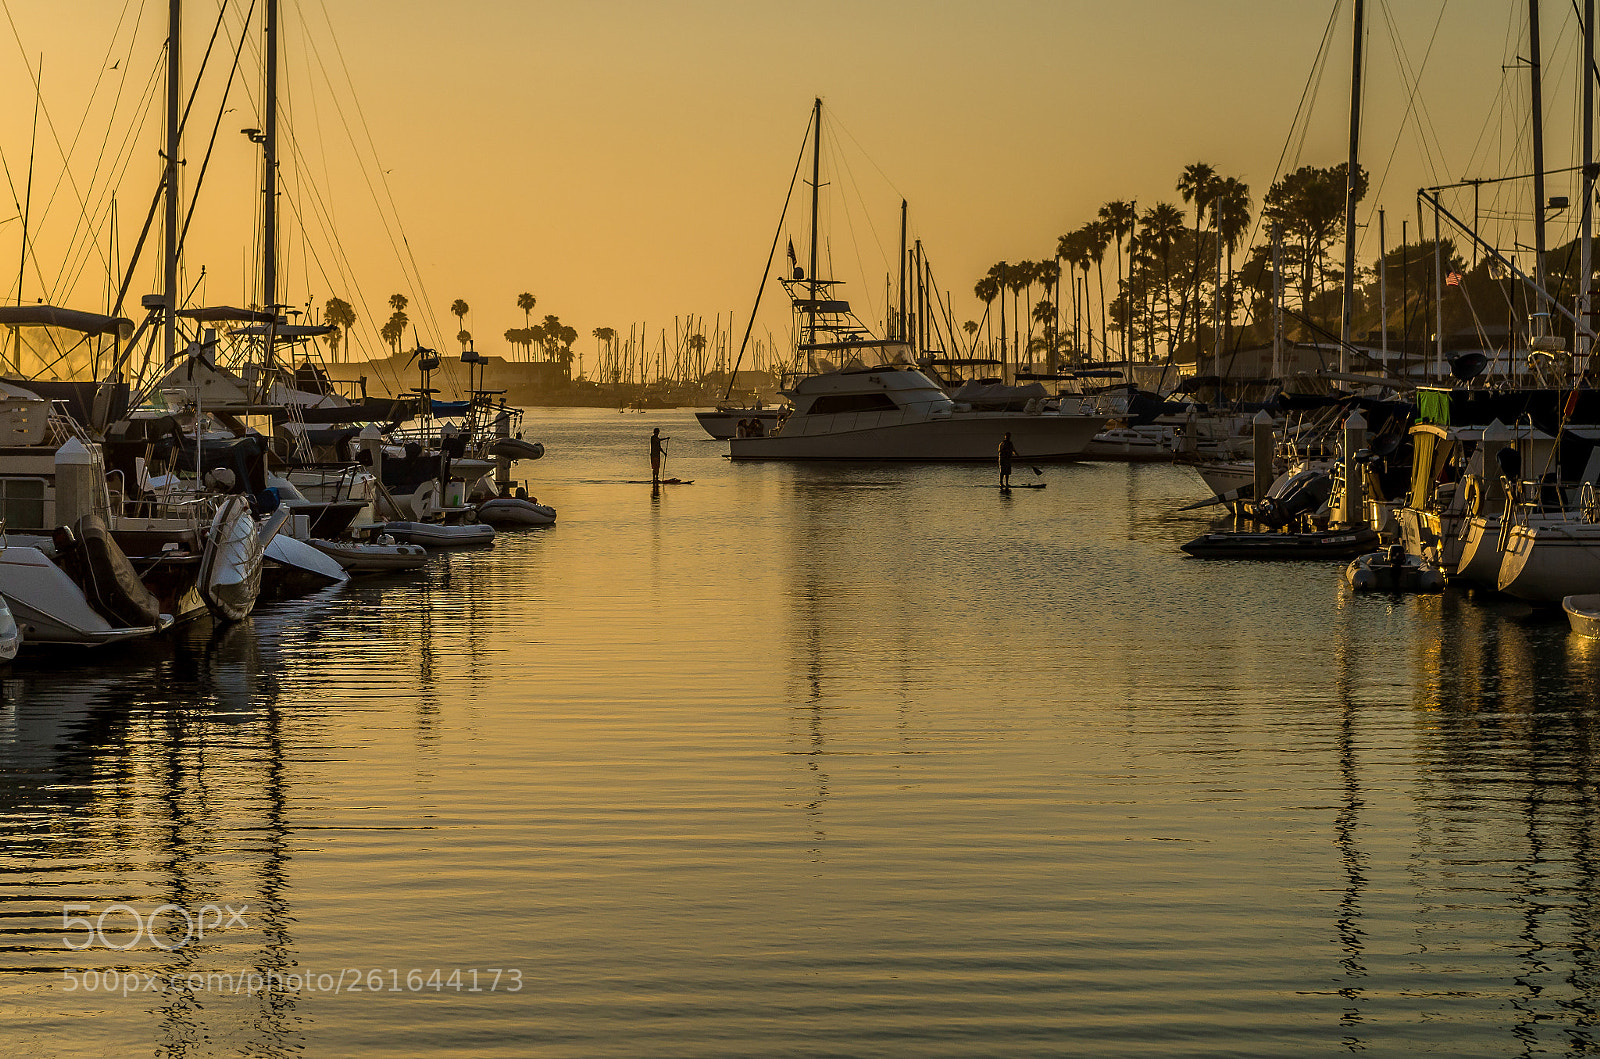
1049,274
1072,249
1097,236
1230,216
1196,185
340,315
606,336
1018,277
460,309
1045,314
1118,217
398,302
526,302
1162,226
393,331
986,290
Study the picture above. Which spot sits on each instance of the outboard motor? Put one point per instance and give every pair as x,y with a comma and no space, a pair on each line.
1292,496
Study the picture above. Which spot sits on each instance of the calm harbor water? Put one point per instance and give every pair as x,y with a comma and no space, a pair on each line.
814,761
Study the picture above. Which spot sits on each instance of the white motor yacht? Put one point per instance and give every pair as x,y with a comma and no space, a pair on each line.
898,413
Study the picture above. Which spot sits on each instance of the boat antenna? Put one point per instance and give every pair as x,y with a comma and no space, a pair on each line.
816,184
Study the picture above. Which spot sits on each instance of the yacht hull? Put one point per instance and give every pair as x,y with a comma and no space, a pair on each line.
1480,551
49,607
1544,564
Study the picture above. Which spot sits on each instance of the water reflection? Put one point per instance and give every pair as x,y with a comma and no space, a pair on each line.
925,772
158,776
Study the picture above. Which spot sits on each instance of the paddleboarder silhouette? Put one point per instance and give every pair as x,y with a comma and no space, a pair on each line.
1008,452
658,451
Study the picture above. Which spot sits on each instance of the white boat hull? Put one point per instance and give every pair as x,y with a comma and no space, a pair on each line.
10,635
47,606
1583,614
372,558
512,511
1545,563
1480,551
434,535
896,435
230,571
1224,477
303,558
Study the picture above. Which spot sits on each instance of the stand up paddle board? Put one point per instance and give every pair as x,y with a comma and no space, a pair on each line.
1023,485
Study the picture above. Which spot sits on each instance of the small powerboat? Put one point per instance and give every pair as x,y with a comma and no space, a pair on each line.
1392,570
385,555
1583,614
515,511
439,535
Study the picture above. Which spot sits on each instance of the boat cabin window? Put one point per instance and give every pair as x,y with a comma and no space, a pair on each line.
22,503
833,403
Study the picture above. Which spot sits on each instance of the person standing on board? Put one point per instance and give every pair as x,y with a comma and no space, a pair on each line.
1007,452
657,451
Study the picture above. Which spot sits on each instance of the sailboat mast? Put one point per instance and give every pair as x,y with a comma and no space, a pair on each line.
1350,186
1585,330
900,324
269,215
816,184
1537,102
169,276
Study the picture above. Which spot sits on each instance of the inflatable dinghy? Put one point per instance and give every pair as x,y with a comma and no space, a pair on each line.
437,535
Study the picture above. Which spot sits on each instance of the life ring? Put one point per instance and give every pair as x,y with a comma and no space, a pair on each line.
1472,496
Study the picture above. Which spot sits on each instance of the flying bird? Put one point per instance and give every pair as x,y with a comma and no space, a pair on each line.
116,64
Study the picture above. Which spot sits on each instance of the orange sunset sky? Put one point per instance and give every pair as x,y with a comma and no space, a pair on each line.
627,162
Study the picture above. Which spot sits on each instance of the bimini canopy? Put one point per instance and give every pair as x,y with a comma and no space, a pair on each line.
226,314
66,319
286,332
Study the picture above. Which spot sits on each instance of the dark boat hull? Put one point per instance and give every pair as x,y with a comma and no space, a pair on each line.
1340,544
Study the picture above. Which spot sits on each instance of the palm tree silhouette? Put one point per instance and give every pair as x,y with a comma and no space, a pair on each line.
1197,185
526,302
1161,228
987,290
460,309
340,315
395,329
1230,216
1117,216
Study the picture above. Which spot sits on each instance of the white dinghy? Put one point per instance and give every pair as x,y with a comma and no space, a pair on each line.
382,556
438,535
230,569
515,511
